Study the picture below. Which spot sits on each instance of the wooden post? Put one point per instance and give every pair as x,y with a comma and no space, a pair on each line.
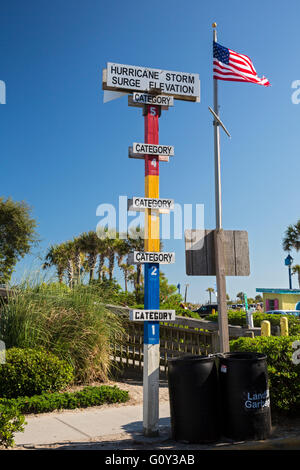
151,281
221,289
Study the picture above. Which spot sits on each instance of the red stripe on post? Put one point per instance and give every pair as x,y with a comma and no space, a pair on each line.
151,137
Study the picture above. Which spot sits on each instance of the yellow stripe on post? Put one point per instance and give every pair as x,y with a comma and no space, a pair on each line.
152,242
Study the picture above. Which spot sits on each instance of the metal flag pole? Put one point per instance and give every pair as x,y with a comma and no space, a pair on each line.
219,235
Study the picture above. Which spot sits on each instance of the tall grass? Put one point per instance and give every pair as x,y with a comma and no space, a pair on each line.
71,323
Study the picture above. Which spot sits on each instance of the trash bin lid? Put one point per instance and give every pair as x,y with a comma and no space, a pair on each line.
243,356
190,358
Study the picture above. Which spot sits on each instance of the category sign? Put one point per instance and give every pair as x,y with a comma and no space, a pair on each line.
152,315
180,85
153,257
153,149
160,100
142,203
141,156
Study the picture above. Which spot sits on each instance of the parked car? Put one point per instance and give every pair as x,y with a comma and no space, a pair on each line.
206,309
296,313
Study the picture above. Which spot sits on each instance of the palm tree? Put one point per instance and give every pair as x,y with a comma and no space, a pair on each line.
122,248
78,258
69,248
296,270
210,290
57,256
128,270
89,243
291,240
136,243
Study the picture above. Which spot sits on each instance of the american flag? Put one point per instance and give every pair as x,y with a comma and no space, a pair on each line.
229,65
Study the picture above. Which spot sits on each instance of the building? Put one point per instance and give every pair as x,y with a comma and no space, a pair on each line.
280,299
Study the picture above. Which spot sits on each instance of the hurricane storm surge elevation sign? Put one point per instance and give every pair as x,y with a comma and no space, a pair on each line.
181,85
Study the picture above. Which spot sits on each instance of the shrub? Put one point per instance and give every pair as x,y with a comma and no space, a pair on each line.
239,318
70,323
284,376
11,421
29,371
88,396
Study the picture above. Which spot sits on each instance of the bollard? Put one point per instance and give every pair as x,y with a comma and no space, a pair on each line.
213,311
265,328
284,326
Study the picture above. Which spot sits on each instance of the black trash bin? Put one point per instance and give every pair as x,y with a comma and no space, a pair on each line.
245,398
194,399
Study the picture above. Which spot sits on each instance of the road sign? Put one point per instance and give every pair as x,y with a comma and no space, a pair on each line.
200,253
152,315
180,85
151,149
153,257
142,203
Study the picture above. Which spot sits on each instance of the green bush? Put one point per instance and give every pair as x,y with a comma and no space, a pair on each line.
284,376
30,371
73,324
11,421
88,396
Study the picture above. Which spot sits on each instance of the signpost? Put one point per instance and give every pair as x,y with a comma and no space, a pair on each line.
153,90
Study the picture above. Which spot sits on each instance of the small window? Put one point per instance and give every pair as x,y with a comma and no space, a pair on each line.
273,304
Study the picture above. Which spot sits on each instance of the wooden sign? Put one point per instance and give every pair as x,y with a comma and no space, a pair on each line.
152,149
180,85
200,253
153,257
141,156
142,203
152,315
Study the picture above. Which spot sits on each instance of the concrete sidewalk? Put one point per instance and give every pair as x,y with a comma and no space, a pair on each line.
87,425
121,428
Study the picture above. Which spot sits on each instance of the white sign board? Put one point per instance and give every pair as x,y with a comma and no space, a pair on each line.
142,203
153,149
152,315
160,100
141,156
181,85
153,257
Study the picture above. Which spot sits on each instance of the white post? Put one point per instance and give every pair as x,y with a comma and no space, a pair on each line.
151,390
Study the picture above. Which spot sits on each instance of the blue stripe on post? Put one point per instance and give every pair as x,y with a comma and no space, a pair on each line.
151,301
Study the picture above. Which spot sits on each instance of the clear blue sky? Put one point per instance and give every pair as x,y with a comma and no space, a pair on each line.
65,152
